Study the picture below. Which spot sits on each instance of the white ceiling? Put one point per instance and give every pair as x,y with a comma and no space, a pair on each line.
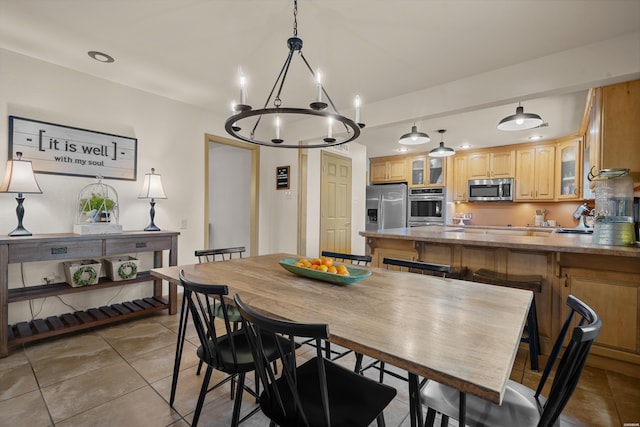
190,50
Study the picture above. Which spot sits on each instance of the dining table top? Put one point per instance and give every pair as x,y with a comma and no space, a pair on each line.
459,333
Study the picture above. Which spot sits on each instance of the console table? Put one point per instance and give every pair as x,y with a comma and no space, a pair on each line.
67,246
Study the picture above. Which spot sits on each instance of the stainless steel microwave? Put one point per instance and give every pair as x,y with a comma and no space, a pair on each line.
490,190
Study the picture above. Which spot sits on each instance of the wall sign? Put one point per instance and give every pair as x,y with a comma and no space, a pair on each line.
65,150
282,177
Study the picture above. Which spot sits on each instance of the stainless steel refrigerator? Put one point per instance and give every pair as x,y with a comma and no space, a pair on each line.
386,206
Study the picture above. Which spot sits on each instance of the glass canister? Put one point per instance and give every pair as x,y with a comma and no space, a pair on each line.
614,208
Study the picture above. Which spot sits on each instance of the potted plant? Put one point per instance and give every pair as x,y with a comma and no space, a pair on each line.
97,207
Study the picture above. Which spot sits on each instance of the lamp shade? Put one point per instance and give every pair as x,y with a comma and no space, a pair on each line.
19,177
520,121
152,187
414,137
441,150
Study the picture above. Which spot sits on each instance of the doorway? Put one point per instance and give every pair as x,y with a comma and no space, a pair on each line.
335,203
231,194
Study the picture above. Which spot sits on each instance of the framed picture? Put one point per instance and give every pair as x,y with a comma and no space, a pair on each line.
282,177
66,150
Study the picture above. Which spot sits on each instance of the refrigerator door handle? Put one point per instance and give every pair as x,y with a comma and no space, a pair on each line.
380,213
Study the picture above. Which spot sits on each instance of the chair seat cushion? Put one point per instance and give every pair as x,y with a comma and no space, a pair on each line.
354,400
519,408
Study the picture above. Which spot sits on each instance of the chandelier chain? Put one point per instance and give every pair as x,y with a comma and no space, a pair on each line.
295,18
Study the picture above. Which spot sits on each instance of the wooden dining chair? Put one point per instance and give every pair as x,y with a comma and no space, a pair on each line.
522,406
230,352
314,392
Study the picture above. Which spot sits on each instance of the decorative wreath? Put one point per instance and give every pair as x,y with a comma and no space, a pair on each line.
127,270
85,275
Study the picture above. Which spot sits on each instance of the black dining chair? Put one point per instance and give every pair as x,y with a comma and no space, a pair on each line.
229,352
316,392
221,254
522,406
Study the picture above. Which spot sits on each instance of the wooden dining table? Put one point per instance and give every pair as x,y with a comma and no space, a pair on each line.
459,333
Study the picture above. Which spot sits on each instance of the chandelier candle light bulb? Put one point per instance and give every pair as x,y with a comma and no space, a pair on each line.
357,105
243,89
319,85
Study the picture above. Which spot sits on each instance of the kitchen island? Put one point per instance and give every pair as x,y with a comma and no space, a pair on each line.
605,277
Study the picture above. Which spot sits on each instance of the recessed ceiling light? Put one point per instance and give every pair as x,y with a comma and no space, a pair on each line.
535,137
464,146
403,149
100,56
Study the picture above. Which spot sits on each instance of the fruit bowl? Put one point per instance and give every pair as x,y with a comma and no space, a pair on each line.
355,274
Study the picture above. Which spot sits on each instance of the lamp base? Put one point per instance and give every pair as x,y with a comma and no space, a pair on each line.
20,231
152,227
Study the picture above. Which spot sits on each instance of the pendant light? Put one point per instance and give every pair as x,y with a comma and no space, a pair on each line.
441,150
520,120
414,137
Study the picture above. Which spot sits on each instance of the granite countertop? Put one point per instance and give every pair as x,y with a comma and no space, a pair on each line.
553,242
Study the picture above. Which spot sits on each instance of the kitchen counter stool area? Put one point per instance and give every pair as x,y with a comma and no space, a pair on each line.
121,375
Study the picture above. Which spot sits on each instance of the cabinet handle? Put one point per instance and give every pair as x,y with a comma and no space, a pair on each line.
59,251
141,245
566,280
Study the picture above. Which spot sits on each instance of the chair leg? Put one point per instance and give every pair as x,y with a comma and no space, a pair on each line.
203,393
327,349
182,331
534,338
381,372
358,368
237,403
380,420
431,417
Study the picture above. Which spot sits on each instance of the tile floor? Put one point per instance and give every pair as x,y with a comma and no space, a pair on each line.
121,376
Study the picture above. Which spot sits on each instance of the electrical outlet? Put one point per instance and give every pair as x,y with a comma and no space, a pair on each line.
183,224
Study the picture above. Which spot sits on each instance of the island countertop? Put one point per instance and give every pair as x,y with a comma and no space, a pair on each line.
549,242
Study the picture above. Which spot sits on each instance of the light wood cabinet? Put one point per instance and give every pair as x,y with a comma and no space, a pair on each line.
499,164
535,173
460,179
614,129
426,171
569,169
614,296
388,169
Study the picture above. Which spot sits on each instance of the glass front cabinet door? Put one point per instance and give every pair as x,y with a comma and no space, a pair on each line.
426,171
418,170
569,169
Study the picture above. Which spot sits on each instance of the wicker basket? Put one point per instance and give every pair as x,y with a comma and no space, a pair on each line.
121,268
85,272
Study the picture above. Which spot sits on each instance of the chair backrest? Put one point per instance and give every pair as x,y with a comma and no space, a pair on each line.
418,266
572,361
209,255
355,259
257,325
202,300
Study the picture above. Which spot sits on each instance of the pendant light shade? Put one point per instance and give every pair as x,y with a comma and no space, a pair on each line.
520,120
414,137
441,150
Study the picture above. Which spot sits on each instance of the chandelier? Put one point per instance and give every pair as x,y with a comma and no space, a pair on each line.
245,123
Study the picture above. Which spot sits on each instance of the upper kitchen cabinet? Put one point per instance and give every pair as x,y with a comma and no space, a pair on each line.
569,169
498,164
535,173
387,169
614,128
459,179
426,171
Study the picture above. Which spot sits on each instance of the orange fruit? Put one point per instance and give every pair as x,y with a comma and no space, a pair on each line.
332,269
316,261
344,272
323,268
327,261
298,264
342,267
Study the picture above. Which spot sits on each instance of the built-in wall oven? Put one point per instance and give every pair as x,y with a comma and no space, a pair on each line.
426,206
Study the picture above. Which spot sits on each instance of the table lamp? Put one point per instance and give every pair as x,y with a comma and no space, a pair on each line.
152,189
19,179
